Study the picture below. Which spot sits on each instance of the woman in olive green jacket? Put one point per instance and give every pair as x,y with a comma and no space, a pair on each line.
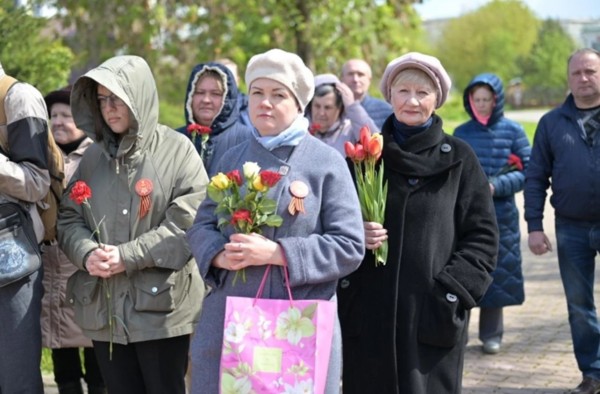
137,293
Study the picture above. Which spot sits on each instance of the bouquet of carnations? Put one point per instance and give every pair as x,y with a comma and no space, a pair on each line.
372,190
195,130
242,203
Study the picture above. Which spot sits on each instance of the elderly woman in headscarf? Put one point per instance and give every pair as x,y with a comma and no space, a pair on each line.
335,116
318,245
404,324
212,114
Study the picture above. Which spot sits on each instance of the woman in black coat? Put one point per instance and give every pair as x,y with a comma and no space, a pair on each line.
404,324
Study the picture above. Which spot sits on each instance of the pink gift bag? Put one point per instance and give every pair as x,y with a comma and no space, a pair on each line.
276,346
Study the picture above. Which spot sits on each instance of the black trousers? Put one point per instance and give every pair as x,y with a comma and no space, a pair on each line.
150,367
67,367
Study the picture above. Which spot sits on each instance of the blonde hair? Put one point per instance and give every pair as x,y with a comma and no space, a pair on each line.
416,76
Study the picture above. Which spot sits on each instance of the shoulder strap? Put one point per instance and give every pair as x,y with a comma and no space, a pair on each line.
6,83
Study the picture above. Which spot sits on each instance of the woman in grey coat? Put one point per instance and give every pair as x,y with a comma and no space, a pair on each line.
318,246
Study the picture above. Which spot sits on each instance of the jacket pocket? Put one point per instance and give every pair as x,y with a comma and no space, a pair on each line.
442,321
84,295
160,289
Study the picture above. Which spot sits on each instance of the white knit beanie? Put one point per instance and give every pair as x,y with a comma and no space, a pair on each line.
286,68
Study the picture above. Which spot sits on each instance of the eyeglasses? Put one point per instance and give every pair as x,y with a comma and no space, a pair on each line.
111,100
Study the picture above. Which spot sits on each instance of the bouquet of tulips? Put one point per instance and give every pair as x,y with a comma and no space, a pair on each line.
372,190
248,212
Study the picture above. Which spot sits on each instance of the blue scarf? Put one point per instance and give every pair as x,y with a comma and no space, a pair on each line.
288,137
401,132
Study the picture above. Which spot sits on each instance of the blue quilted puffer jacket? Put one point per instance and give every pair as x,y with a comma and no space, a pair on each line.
493,143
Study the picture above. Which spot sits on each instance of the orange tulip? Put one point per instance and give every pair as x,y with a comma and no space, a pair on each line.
365,135
360,153
350,150
375,146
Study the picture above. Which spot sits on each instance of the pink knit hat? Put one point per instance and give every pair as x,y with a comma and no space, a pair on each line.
428,64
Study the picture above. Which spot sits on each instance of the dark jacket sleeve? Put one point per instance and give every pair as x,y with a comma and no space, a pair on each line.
538,177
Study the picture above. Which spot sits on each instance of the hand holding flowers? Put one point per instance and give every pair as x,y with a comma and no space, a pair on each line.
104,261
372,190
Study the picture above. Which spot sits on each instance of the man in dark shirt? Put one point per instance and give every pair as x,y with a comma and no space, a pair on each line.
566,150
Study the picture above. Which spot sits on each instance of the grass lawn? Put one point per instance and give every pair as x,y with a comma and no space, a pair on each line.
46,361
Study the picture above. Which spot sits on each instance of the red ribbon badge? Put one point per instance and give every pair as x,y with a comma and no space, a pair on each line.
143,188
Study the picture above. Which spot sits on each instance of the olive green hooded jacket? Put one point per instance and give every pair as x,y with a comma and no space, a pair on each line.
160,294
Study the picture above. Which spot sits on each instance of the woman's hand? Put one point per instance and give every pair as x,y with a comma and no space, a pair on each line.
245,250
105,262
346,93
375,235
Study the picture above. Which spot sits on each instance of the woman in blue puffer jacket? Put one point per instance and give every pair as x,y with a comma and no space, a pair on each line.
498,142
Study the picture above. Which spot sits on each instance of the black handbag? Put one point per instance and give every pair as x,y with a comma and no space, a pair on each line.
19,251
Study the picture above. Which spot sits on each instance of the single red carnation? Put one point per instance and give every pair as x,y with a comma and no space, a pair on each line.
80,192
514,160
314,128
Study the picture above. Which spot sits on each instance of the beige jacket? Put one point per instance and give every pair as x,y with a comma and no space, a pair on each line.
59,329
24,175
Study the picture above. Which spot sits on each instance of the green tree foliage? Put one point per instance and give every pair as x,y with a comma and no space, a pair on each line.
489,39
28,54
174,35
544,68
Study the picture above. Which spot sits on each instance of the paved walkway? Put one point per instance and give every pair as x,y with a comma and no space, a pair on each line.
536,355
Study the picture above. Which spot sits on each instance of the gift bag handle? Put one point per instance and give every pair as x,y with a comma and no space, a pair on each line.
264,281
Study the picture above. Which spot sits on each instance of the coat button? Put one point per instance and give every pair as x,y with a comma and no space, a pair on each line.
451,297
125,212
345,283
413,181
445,148
154,289
71,301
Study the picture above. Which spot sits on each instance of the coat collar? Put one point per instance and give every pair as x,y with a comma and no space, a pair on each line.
427,153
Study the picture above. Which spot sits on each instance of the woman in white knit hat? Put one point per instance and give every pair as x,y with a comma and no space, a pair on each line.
318,245
404,324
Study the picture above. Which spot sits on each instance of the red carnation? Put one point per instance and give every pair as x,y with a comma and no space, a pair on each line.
195,129
314,128
80,192
514,160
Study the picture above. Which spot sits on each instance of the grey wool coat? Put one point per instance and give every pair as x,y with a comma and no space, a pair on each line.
159,295
321,245
404,324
